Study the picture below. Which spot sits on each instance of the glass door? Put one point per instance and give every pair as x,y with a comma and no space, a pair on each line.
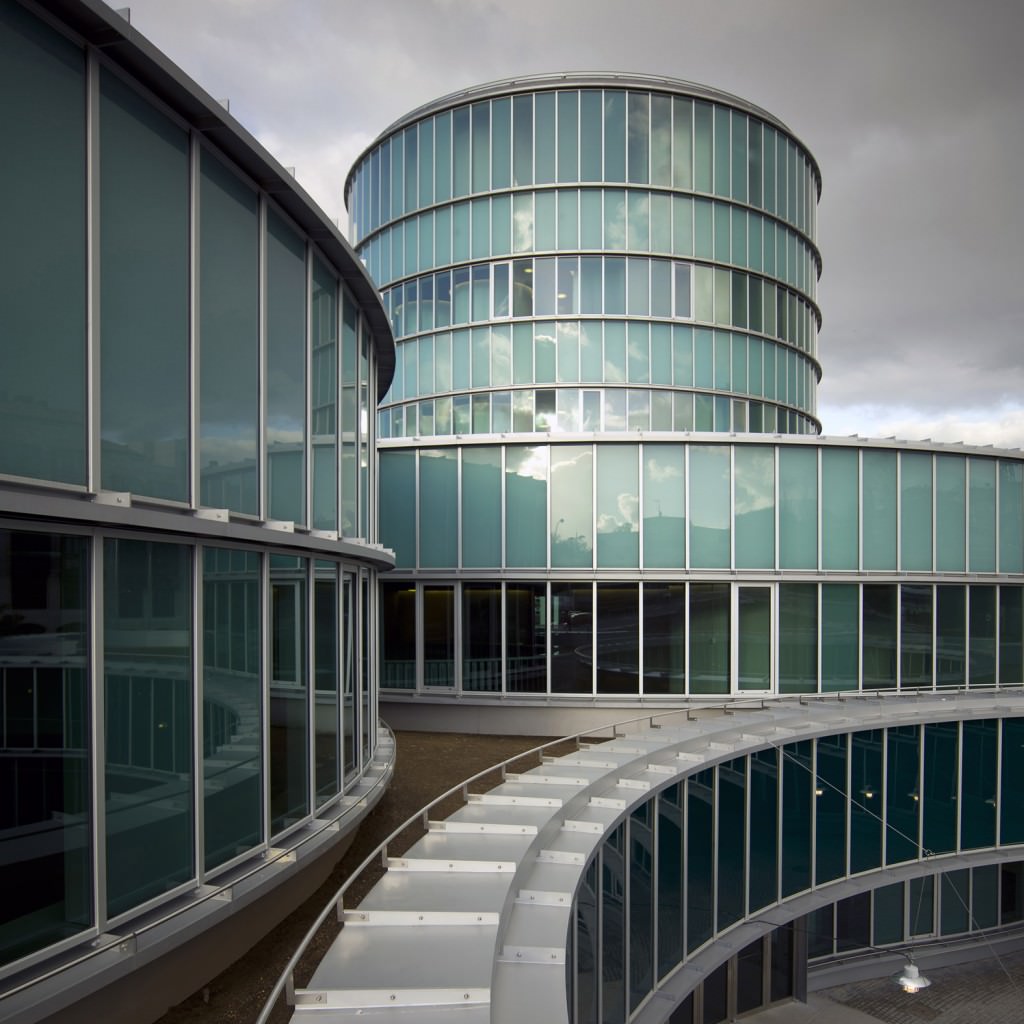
752,653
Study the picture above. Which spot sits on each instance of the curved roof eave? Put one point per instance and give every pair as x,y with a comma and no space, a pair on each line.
584,80
110,33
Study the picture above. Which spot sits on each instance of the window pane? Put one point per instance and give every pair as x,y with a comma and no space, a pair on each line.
145,280
438,508
438,636
398,635
978,784
982,514
797,796
147,639
47,895
731,841
798,637
915,635
940,800
866,801
839,512
1011,634
700,835
755,506
798,508
398,505
526,637
324,328
228,339
326,665
481,637
840,636
879,651
902,796
951,635
526,499
572,638
664,509
916,511
709,638
568,128
42,413
572,528
709,506
614,136
982,635
950,513
618,651
481,507
830,797
1011,517
879,501
618,502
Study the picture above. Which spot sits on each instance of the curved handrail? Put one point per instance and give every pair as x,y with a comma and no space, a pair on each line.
129,939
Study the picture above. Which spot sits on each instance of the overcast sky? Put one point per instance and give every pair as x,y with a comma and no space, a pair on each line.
914,110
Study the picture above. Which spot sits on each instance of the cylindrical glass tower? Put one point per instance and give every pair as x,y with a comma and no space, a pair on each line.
600,461
593,253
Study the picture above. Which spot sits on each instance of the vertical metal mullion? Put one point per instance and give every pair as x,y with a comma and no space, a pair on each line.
97,693
194,334
93,464
265,682
814,812
310,618
959,781
198,680
262,473
307,455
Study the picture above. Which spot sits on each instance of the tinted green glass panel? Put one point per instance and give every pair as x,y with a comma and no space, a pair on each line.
638,137
982,635
866,801
840,636
830,798
42,413
144,281
398,505
526,499
613,927
754,508
664,638
147,641
1011,517
915,635
902,793
879,637
954,894
916,511
798,637
327,739
438,508
572,528
544,137
950,635
228,339
289,692
1011,634
590,135
722,164
526,637
618,506
438,636
754,637
709,638
664,509
700,797
233,794
709,506
879,503
940,802
481,637
461,155
985,896
764,823
731,844
641,903
982,515
617,658
798,508
670,878
950,513
572,638
887,904
1011,796
47,745
978,784
324,328
614,136
839,511
481,507
797,797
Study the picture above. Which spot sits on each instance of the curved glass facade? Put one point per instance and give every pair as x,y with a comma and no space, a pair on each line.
188,566
701,855
544,240
589,277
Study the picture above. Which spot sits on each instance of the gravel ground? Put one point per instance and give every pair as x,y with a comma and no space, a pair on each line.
428,764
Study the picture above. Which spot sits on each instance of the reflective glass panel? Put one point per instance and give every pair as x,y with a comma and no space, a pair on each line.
797,797
866,800
730,877
978,784
902,793
700,835
147,639
572,527
572,637
950,513
618,506
830,798
618,641
481,637
709,638
840,636
879,504
839,511
144,281
754,507
709,506
798,507
526,637
879,636
916,510
664,509
45,812
798,637
439,510
232,704
326,665
940,801
982,515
